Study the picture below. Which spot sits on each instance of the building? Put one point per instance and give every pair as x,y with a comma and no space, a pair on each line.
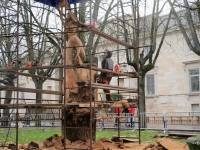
173,84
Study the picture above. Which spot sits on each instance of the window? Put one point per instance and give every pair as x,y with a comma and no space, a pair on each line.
48,87
192,42
195,109
194,80
22,98
150,85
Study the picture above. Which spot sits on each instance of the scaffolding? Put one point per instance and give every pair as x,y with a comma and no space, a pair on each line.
33,111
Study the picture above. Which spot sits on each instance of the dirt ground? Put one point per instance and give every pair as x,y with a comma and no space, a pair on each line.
56,142
102,144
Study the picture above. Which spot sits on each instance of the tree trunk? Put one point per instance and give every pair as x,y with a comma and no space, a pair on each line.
77,122
38,85
8,99
6,112
142,101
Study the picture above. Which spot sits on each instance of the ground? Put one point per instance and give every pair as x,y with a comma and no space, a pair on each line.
55,142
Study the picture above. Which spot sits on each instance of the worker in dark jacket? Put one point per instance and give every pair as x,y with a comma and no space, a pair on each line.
107,63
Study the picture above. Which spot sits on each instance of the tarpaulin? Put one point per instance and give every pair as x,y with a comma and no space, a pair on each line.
49,2
76,1
56,2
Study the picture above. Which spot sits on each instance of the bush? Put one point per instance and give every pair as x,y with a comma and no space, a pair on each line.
194,142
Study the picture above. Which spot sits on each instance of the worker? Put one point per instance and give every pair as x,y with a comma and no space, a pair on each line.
117,68
105,78
132,112
32,63
117,113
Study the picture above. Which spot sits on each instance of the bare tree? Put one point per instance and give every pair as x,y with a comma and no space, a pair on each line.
37,42
7,48
146,29
188,16
43,47
142,28
141,32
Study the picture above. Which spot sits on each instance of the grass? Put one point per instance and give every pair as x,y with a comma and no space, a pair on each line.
26,136
146,135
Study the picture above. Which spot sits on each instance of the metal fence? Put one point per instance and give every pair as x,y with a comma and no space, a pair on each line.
183,121
111,120
33,120
171,121
154,121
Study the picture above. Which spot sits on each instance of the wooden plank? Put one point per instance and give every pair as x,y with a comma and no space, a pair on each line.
86,66
112,87
86,104
106,36
47,67
11,88
132,74
30,75
130,99
184,133
31,106
170,144
110,38
61,106
97,104
131,136
129,140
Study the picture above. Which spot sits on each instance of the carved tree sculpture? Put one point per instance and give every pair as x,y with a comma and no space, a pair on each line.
78,119
74,43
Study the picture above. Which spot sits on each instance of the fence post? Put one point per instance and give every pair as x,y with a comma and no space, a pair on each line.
165,122
143,122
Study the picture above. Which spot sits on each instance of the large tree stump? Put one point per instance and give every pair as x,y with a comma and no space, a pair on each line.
78,119
78,124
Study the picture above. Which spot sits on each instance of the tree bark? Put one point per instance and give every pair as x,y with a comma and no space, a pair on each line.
6,112
77,124
38,85
142,94
142,102
8,99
